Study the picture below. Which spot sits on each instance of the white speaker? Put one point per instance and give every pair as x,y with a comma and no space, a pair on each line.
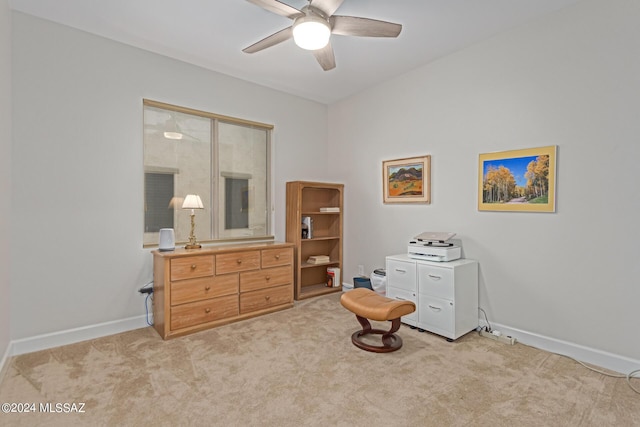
167,239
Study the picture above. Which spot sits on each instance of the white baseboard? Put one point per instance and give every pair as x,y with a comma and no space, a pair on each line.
71,336
4,362
603,359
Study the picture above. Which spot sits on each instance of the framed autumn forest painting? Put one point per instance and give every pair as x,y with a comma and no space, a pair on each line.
518,180
407,180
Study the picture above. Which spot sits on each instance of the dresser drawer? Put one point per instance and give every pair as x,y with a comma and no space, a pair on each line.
436,315
237,261
191,290
196,313
275,257
265,298
191,267
435,281
266,278
401,275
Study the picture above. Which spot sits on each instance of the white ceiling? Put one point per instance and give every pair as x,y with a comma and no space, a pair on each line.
212,34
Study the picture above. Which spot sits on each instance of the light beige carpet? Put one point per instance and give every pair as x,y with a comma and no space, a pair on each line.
298,368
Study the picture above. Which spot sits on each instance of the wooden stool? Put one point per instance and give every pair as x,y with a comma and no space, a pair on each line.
366,304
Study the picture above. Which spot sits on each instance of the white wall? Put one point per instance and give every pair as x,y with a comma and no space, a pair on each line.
571,80
77,256
5,177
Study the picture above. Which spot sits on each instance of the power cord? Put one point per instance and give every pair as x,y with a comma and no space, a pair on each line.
148,290
486,319
632,374
146,307
628,377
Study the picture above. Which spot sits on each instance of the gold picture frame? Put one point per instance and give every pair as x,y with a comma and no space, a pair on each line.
407,180
518,180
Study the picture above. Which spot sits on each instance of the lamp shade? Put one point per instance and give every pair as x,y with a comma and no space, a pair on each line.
192,201
311,32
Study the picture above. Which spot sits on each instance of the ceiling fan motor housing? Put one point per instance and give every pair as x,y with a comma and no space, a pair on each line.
312,30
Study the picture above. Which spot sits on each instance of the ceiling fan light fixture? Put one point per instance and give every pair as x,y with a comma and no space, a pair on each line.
173,135
311,32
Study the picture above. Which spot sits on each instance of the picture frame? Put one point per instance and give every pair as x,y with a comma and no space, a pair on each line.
518,180
407,180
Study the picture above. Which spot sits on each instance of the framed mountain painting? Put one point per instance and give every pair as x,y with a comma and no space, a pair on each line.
407,180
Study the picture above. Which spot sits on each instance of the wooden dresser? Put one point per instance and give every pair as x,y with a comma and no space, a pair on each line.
199,289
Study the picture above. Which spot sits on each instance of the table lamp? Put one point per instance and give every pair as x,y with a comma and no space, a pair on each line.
192,201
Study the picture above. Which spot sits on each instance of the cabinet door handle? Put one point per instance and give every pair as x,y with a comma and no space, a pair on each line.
433,307
433,276
400,270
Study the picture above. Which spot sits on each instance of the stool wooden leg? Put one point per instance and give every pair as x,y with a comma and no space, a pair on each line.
366,325
390,341
388,337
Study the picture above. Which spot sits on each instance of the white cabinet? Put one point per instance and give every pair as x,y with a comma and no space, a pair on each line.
445,293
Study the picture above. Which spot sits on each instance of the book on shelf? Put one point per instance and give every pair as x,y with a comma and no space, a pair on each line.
318,259
333,277
330,209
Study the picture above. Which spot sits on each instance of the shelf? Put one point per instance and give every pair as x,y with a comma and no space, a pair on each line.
316,239
317,290
320,213
324,264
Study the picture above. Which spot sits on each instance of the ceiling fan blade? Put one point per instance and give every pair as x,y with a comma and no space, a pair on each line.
328,7
363,27
278,8
271,40
325,57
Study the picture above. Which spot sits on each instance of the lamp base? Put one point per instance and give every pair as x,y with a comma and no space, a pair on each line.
196,246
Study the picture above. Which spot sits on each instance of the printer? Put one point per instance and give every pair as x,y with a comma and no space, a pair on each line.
433,246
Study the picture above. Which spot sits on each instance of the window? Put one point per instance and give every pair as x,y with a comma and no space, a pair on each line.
158,212
222,159
236,192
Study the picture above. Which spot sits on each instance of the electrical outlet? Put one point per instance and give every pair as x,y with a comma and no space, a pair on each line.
360,270
505,339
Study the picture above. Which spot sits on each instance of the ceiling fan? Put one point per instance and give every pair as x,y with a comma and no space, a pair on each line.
314,24
170,129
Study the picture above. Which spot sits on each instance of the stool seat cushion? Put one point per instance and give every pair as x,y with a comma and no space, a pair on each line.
368,304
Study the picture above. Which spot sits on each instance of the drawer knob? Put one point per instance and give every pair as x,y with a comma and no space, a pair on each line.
278,256
267,297
239,261
268,277
193,266
207,288
207,310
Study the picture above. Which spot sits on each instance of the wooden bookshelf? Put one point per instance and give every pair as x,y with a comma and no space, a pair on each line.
304,199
